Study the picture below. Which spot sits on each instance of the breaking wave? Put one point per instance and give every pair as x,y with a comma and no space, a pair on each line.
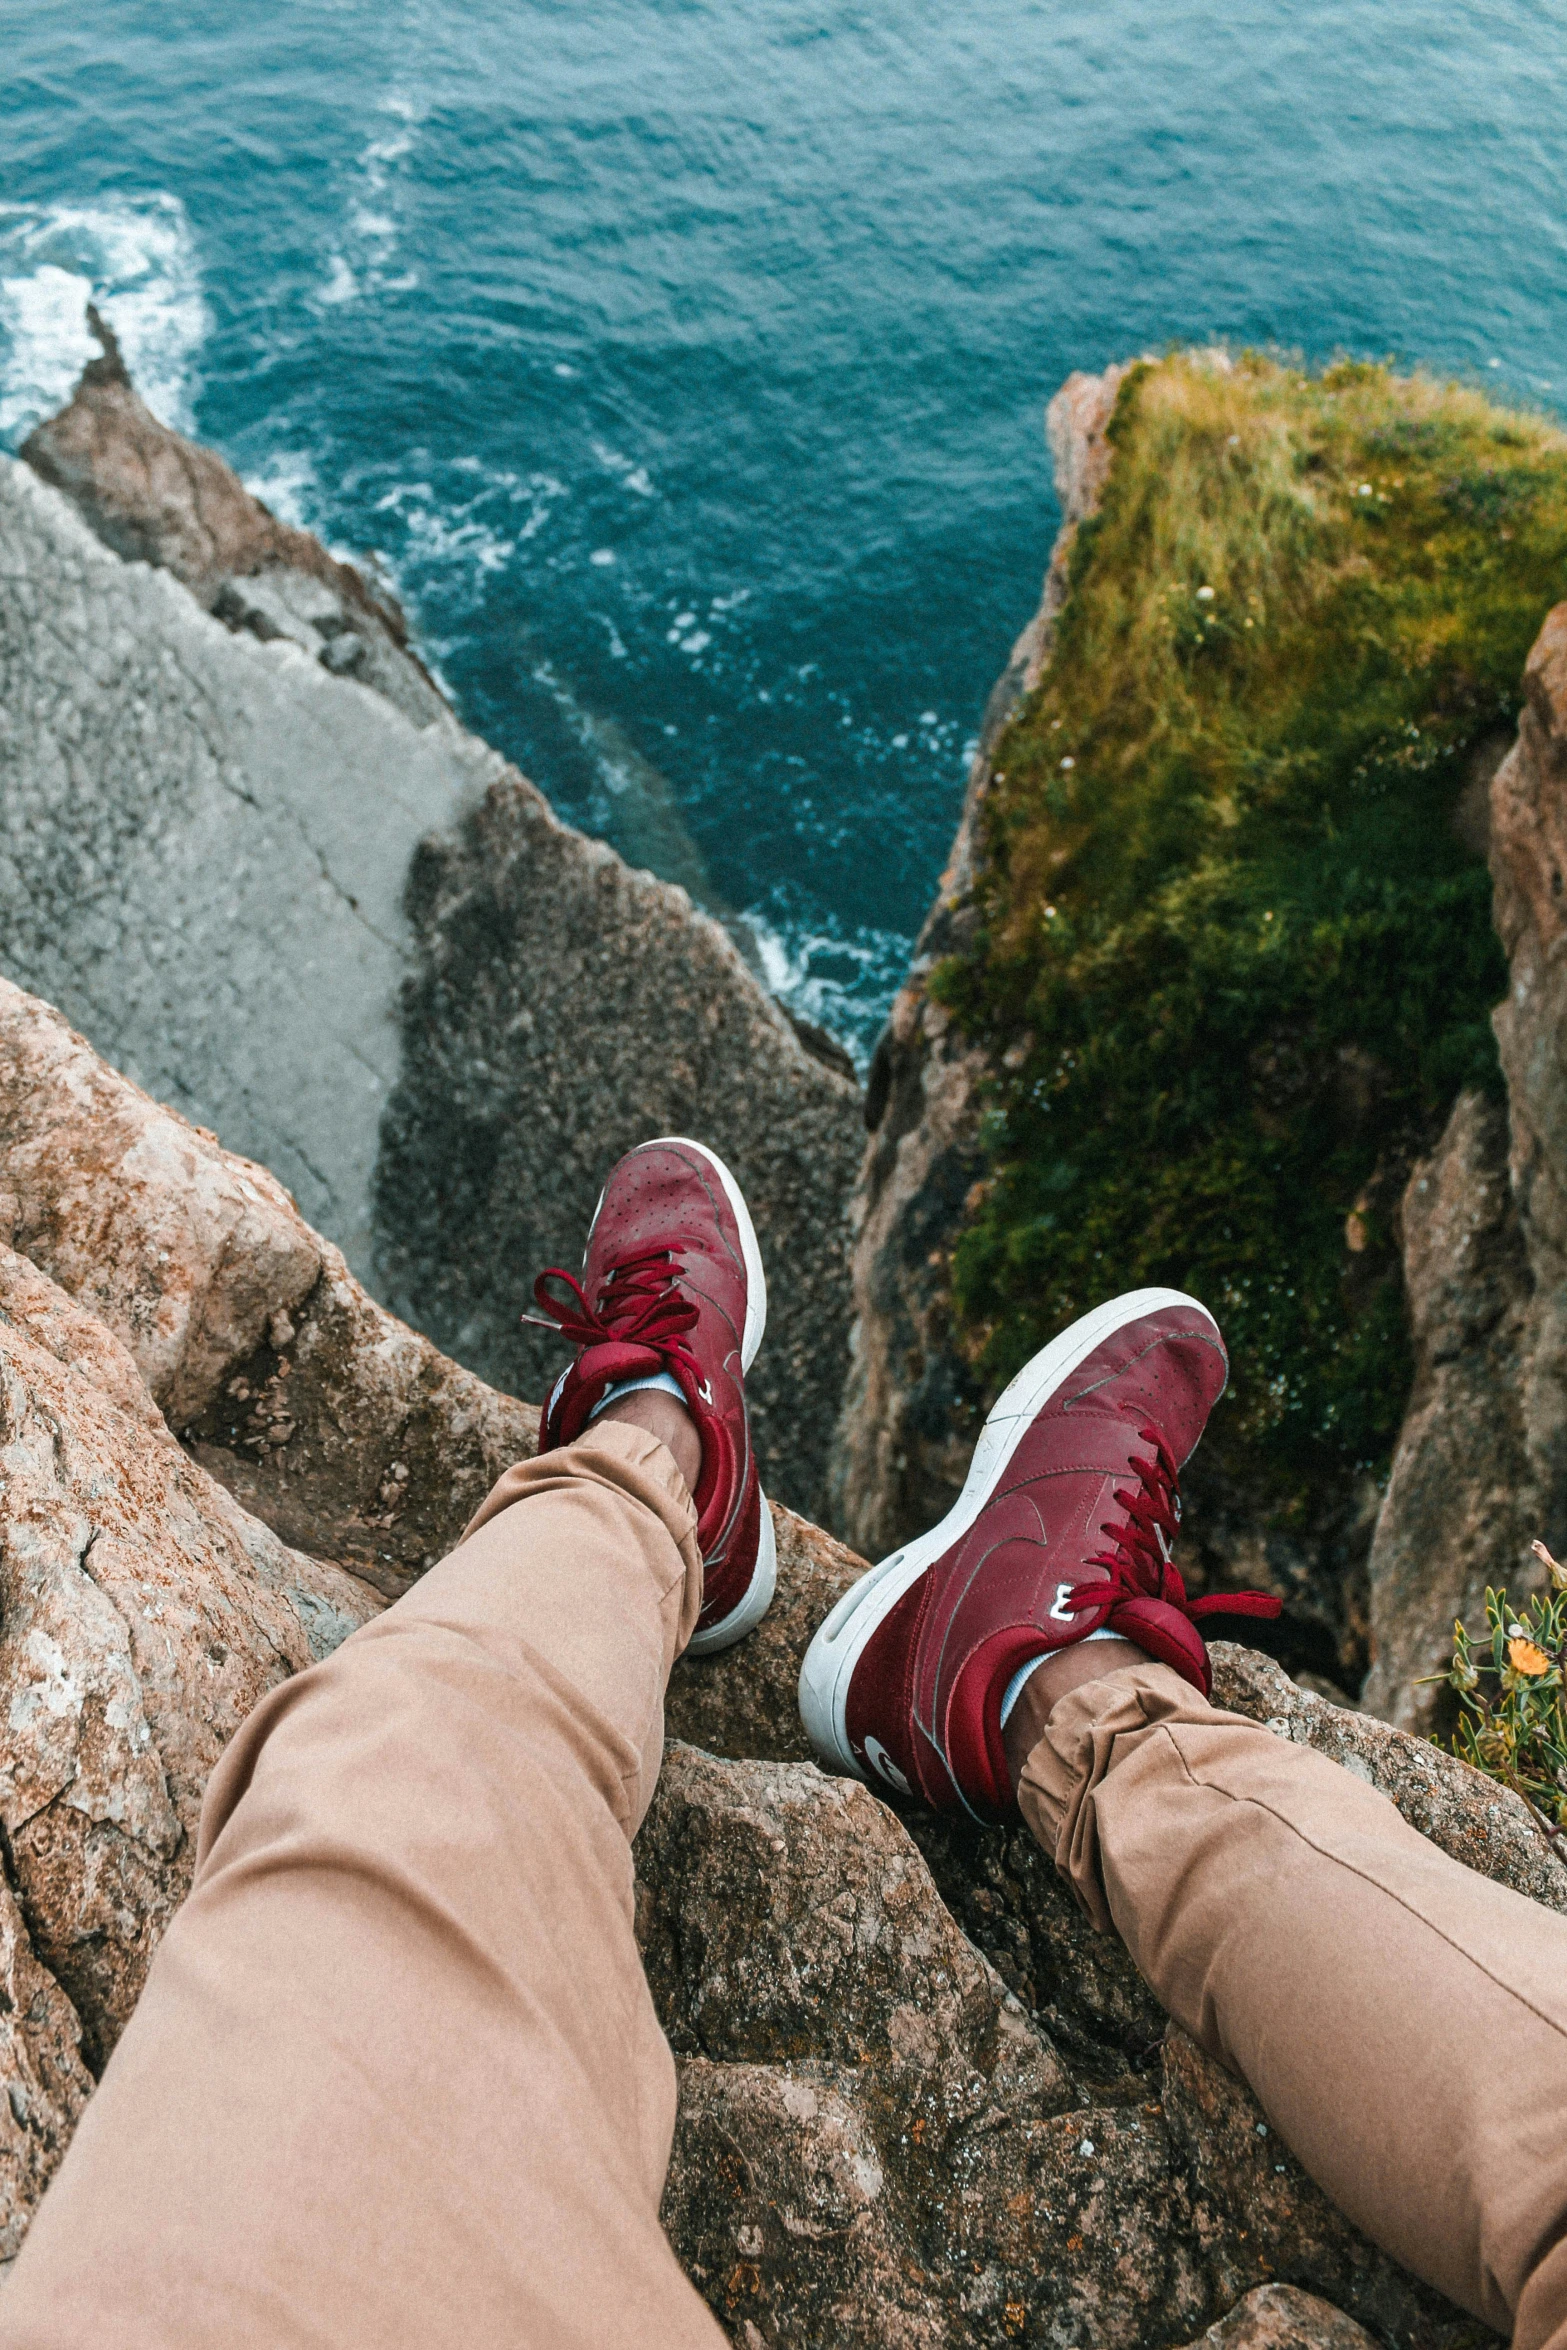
136,258
840,979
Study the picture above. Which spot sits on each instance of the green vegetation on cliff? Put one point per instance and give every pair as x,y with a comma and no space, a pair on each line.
1234,955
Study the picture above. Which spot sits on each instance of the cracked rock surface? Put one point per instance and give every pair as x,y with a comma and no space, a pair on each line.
1281,2317
1481,1464
783,1913
879,2144
1462,1502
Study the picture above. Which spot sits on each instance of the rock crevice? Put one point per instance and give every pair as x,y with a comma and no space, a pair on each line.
911,1408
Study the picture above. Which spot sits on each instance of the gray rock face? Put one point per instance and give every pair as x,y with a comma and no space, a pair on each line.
1481,1466
879,2146
1281,2317
1461,1506
1528,861
205,849
218,773
562,1009
911,1408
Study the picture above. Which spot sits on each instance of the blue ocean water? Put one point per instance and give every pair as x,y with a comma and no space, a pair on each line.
683,361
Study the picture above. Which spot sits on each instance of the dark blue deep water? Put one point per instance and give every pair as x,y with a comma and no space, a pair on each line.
684,360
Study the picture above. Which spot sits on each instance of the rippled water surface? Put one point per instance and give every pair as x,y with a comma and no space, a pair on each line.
684,363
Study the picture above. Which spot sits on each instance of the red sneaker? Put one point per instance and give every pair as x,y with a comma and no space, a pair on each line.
1064,1527
672,1281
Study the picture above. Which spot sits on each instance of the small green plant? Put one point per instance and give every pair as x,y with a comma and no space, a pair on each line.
1512,1724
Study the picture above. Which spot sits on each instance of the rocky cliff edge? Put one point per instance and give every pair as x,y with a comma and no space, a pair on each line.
921,2103
253,856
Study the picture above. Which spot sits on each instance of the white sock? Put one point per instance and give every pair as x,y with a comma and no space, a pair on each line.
664,1380
1014,1688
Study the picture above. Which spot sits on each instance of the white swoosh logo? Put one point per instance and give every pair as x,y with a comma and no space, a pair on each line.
881,1761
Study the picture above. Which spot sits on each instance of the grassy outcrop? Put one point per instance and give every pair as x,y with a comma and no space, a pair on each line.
1234,955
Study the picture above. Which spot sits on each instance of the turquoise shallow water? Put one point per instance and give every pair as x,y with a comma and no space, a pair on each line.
684,360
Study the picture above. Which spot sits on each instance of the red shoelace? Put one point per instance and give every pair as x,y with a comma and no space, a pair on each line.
1138,1559
638,1304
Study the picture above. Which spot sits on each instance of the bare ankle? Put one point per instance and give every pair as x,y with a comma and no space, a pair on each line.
667,1419
1066,1668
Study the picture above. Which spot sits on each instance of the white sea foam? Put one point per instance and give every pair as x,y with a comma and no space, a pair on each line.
360,261
287,486
341,284
447,535
631,475
446,539
136,258
842,980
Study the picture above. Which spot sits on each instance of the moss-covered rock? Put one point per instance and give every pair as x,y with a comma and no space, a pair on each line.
1234,955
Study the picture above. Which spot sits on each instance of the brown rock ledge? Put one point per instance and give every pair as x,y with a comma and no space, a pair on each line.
333,1422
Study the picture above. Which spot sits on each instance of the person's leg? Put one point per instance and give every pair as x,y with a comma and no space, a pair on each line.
1402,2020
396,2074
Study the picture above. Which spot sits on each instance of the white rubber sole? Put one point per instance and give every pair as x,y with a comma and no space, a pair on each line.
757,1601
764,1580
842,1640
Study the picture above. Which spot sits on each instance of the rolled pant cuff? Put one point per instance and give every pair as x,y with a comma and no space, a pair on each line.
1055,1792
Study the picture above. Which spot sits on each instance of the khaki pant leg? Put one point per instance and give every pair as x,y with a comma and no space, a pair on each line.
396,2075
1401,2020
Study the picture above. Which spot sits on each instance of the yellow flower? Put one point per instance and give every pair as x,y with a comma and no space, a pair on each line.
1526,1658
